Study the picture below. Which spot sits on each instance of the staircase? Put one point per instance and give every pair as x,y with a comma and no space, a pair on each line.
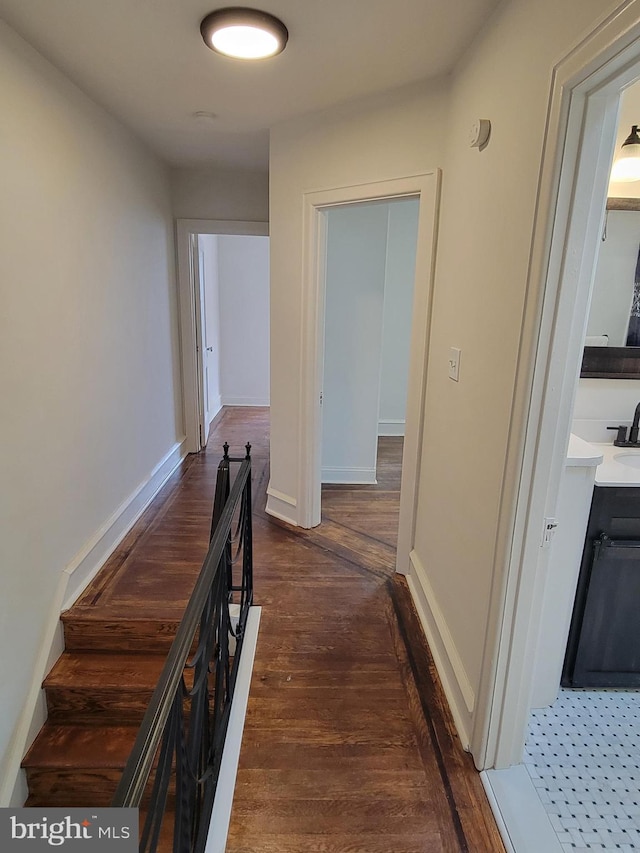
121,667
96,694
117,637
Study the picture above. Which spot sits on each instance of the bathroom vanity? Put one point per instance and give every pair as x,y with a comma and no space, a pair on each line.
603,648
561,575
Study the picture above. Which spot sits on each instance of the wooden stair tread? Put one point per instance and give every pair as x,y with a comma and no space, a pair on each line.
101,689
86,670
69,746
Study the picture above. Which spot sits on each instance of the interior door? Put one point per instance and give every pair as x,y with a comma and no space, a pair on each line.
204,349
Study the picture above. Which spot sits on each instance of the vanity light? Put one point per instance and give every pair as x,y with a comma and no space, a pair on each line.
627,166
244,33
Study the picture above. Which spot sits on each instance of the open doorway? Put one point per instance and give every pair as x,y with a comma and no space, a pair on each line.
223,297
231,274
425,188
594,661
546,563
370,271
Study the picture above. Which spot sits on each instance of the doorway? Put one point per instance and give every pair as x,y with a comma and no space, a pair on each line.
370,272
193,346
425,188
588,737
585,104
232,283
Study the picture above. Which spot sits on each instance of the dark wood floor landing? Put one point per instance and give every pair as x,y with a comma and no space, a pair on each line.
348,744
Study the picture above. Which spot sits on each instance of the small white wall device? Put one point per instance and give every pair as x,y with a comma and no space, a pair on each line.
479,132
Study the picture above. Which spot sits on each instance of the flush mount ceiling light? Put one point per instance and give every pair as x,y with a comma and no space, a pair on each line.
244,33
627,166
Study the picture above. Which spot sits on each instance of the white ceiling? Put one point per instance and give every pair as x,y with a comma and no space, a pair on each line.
145,61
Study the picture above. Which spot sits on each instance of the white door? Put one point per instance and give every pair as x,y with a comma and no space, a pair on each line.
203,347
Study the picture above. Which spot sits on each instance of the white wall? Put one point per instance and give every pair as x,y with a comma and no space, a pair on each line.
377,139
355,283
601,403
208,243
400,269
89,367
467,479
614,277
243,275
207,192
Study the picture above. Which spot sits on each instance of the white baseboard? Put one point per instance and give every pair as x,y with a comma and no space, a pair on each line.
244,401
72,582
215,408
221,814
86,565
282,506
391,426
521,818
455,682
349,476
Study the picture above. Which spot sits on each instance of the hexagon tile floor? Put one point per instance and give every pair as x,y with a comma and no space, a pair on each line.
583,755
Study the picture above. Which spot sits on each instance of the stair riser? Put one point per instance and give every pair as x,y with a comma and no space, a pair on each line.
143,636
98,709
138,637
70,707
68,788
78,787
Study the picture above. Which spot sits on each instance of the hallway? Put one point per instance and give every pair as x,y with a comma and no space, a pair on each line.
347,743
337,754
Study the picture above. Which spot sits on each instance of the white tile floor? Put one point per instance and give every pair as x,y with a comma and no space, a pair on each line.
583,756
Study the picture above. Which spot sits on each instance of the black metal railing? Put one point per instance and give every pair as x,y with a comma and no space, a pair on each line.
178,749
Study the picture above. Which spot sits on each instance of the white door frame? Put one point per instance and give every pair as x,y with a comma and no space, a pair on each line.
580,137
426,186
188,301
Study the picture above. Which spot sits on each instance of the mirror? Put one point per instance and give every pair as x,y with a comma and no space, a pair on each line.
606,353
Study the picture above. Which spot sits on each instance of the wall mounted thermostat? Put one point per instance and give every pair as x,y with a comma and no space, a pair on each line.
479,132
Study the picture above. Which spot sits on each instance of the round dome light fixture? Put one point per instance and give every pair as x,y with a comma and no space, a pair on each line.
244,33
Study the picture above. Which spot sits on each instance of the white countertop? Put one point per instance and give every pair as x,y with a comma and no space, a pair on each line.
581,454
609,471
613,473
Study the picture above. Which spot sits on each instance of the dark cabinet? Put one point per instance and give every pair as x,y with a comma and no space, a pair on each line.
603,649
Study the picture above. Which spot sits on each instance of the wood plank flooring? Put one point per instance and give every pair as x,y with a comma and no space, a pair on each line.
348,745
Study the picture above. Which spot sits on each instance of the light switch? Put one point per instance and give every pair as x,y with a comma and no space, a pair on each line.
454,364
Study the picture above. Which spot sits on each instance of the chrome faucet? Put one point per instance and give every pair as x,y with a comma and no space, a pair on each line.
621,438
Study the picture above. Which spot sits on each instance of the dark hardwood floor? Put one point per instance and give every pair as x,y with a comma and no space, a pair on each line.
348,744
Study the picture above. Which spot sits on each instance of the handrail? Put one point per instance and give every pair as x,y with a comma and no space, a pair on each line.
188,725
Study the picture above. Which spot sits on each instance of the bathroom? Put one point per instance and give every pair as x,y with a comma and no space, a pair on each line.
583,744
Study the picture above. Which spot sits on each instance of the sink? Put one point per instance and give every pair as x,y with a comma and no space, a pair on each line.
630,459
